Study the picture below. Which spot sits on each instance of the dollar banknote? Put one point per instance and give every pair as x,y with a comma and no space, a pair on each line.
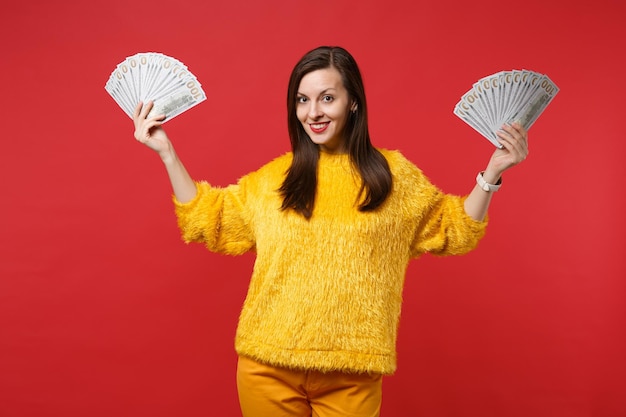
503,98
153,76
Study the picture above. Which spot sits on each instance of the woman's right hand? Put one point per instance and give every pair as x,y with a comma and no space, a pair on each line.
148,130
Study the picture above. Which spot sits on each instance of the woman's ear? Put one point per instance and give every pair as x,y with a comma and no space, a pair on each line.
354,107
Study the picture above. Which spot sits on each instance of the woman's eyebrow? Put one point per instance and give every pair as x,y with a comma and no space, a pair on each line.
326,90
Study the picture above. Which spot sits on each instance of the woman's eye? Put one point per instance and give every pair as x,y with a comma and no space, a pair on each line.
327,99
301,100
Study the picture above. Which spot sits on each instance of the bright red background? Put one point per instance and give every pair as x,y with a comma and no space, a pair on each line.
105,312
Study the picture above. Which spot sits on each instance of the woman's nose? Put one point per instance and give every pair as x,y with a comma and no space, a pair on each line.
314,110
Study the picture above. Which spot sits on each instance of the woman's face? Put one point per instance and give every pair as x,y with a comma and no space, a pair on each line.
323,106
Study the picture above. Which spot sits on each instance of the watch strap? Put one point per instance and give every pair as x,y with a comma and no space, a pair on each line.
485,185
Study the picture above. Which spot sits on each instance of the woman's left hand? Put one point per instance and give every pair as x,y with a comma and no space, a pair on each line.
514,138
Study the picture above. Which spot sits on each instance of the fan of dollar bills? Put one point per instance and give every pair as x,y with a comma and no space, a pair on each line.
157,77
503,98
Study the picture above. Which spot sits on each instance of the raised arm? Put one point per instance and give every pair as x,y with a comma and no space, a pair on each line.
148,131
514,138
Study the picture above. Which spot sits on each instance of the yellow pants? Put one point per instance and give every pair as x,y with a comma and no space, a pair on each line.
267,391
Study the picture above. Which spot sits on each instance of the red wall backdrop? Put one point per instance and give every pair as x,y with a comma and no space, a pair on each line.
105,312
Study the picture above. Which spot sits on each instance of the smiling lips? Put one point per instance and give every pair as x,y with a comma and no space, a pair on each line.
318,127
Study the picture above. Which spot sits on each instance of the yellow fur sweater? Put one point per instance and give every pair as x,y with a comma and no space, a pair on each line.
326,293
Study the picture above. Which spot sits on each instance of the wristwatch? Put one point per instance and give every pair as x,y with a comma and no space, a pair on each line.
485,185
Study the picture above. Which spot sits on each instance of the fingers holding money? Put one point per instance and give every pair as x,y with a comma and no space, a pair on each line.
514,134
514,138
143,124
148,129
141,110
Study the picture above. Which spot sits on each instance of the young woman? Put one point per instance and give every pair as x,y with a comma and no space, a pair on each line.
334,224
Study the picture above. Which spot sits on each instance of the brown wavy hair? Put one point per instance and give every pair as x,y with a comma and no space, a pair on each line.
300,184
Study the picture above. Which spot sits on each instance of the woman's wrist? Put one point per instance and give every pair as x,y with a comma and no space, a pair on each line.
168,156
